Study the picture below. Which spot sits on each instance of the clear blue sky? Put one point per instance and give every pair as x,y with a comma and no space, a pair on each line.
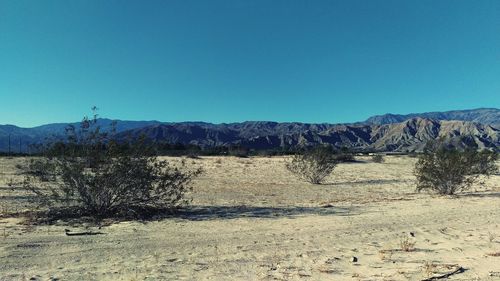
224,61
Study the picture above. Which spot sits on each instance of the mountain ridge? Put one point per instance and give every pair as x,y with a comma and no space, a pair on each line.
380,132
490,116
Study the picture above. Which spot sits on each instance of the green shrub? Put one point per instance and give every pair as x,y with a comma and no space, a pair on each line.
313,165
448,170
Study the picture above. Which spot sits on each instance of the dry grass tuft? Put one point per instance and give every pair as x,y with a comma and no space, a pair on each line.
429,269
406,244
385,254
491,237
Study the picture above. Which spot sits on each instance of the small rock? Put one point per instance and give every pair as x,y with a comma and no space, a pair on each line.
303,273
412,234
332,260
354,259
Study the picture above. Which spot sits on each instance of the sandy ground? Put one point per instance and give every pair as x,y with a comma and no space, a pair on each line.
251,220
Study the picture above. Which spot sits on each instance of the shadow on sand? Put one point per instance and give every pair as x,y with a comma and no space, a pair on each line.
483,194
367,182
200,213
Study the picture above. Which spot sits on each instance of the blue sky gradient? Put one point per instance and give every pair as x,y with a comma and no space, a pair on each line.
229,61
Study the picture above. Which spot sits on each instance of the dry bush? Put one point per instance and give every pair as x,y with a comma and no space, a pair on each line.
239,151
43,171
448,170
344,155
96,179
385,254
378,158
406,244
429,268
313,165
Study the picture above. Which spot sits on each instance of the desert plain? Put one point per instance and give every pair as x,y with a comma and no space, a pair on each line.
250,219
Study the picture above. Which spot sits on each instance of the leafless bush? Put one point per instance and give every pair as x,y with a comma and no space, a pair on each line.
448,170
313,165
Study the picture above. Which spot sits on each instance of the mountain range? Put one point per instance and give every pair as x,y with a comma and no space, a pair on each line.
490,116
389,132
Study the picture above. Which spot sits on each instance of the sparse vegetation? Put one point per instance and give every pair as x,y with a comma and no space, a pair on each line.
491,236
406,244
378,158
313,165
429,268
385,254
98,180
448,170
239,151
344,155
193,155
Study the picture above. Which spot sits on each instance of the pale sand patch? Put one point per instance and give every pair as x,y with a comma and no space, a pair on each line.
254,221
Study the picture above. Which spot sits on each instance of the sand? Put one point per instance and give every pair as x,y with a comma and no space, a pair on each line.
251,220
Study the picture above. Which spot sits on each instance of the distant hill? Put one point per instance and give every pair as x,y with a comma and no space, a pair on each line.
388,132
489,116
410,135
21,138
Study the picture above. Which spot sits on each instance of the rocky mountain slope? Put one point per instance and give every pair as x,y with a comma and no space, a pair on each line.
489,116
410,135
379,133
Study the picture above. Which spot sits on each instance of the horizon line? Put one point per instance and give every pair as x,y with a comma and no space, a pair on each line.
246,121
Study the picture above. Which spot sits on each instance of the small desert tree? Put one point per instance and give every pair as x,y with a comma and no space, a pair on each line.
447,170
313,165
92,176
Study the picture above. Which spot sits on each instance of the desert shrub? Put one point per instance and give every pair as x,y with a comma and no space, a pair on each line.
44,171
344,155
100,181
193,155
313,165
378,158
447,170
484,162
239,151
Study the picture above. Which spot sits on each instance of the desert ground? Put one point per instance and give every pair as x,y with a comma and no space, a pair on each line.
250,219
